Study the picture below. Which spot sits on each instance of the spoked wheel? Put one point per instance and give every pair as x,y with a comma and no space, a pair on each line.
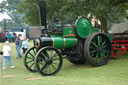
48,61
97,49
30,58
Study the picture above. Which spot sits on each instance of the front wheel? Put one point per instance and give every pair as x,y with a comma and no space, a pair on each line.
48,61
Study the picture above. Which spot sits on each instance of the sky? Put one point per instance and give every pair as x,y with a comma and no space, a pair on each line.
3,15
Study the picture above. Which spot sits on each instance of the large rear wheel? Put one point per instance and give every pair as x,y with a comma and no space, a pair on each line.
97,49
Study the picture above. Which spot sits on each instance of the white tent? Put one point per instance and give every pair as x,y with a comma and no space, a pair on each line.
120,28
4,16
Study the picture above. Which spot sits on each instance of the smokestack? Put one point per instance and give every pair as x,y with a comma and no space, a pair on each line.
42,6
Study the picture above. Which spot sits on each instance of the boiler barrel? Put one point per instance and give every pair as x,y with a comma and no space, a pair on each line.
56,42
60,42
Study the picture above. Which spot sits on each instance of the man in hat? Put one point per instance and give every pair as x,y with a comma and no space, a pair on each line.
7,55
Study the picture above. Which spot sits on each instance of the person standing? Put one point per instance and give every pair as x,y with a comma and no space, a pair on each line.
7,55
18,44
25,45
98,26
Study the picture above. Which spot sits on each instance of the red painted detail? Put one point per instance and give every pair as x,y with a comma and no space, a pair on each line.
70,34
119,45
113,56
119,40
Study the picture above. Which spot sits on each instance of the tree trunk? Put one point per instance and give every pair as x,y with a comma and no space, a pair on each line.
103,21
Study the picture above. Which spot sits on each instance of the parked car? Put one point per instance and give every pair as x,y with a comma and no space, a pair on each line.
11,37
3,37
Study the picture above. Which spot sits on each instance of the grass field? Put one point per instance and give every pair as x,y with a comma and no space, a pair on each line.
114,73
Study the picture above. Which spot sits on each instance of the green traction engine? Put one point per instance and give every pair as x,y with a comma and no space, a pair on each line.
80,44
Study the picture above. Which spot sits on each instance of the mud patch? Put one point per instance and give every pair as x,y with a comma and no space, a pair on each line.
7,76
34,78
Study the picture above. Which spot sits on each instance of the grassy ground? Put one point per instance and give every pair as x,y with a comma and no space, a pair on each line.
114,73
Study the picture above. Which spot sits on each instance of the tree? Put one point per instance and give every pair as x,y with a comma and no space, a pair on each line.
2,6
103,10
17,18
30,10
10,7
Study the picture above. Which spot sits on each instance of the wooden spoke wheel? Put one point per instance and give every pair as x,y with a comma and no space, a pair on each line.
29,59
48,61
97,49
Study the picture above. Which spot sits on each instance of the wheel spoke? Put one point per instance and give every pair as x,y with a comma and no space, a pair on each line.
105,46
93,51
102,56
44,66
29,61
101,40
43,54
103,43
47,54
53,66
97,58
45,69
98,37
91,47
40,64
55,55
32,64
92,55
94,44
51,52
49,68
31,55
34,51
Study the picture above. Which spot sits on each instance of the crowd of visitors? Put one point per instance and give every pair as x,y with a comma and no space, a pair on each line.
19,45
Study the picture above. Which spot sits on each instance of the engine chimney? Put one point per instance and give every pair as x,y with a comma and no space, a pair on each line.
42,6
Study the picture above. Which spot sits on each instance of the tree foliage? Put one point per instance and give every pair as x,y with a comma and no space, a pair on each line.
10,7
69,10
2,6
31,11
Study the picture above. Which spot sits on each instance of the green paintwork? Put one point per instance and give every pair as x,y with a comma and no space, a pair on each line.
69,32
111,36
64,43
94,29
83,27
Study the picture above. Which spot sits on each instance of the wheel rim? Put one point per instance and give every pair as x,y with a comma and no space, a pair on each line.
99,49
48,61
29,59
